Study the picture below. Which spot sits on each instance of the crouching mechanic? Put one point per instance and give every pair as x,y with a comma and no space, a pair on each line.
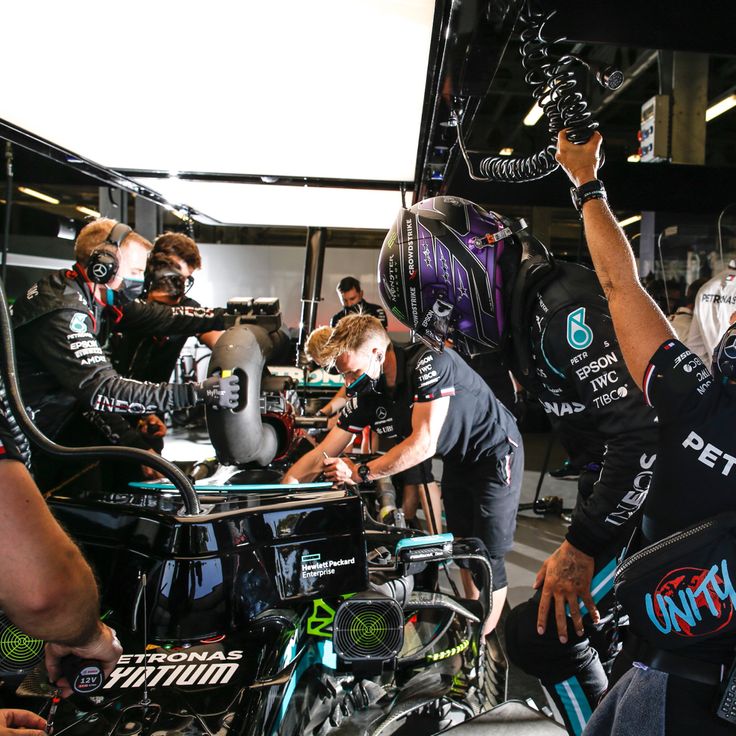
448,268
46,587
59,326
427,404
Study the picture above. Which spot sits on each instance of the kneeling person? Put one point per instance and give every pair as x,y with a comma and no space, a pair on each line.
428,403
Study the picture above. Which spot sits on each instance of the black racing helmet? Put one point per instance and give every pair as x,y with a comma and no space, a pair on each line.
440,271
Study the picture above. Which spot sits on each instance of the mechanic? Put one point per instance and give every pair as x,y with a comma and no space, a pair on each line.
410,484
448,267
693,474
57,600
167,279
351,297
428,404
713,311
59,326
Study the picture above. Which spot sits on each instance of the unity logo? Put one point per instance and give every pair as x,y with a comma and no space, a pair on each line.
692,602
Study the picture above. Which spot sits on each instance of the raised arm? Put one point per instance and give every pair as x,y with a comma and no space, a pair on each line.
640,325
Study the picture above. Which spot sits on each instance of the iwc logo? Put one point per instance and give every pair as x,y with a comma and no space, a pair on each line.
579,335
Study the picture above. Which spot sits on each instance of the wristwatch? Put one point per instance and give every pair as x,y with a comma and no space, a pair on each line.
363,472
590,190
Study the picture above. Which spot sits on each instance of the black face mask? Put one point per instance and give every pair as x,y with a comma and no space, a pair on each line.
362,386
130,290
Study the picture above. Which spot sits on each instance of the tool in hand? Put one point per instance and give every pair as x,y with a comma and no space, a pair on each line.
55,700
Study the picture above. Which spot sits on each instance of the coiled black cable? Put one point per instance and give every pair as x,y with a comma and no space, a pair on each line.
554,88
17,410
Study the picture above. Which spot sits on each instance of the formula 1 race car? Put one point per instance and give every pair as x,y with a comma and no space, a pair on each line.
257,609
276,610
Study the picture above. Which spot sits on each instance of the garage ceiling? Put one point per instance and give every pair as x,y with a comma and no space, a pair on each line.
331,90
177,101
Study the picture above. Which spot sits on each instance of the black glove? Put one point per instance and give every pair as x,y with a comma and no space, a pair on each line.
218,391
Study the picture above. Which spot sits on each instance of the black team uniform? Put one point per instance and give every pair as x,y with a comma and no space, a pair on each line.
362,307
59,328
147,357
694,479
573,365
480,444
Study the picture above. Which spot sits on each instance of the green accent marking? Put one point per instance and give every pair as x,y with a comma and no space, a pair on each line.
321,617
368,629
447,653
18,647
398,312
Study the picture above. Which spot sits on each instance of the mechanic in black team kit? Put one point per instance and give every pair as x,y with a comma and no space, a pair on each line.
669,692
427,404
59,326
351,298
450,269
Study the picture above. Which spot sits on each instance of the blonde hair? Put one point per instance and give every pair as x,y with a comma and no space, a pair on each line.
315,346
94,234
351,334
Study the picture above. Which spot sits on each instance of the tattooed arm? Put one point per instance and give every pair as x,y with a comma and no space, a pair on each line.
564,577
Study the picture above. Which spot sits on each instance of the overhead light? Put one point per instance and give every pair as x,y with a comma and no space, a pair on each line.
38,195
353,94
506,151
533,116
87,211
629,220
720,107
280,205
634,158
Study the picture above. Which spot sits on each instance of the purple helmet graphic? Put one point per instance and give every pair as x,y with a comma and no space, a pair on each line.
724,356
439,271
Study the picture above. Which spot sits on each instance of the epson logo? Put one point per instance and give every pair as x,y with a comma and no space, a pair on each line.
596,366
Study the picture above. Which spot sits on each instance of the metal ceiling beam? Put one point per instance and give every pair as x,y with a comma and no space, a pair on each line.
81,165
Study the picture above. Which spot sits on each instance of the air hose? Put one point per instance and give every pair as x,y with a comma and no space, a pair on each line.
554,88
18,410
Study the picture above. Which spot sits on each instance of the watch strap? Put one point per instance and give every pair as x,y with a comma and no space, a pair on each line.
590,190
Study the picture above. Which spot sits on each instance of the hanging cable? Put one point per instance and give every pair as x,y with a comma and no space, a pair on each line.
8,205
554,88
